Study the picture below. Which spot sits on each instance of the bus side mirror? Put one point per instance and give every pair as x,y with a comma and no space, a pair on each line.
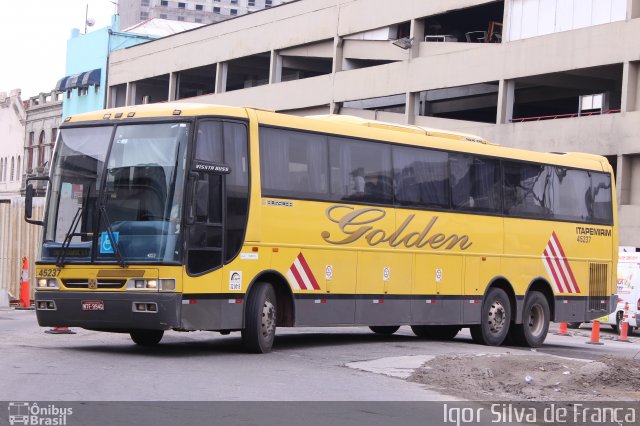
28,201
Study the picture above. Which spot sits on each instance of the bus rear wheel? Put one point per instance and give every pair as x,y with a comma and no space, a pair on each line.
436,332
260,319
385,330
147,337
495,319
535,322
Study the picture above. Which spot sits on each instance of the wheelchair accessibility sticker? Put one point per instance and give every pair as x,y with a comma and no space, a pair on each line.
105,242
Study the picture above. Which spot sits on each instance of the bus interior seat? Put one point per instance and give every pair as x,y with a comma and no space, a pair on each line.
142,197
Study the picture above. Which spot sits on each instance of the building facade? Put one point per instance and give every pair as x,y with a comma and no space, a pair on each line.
44,114
544,75
199,11
17,239
84,86
12,122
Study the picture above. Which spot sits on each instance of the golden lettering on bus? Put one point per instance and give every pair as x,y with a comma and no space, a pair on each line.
360,223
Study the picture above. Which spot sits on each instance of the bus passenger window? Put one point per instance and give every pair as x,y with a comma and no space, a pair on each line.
475,183
360,171
421,177
602,211
528,190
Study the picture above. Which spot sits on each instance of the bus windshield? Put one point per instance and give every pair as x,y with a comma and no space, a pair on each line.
116,194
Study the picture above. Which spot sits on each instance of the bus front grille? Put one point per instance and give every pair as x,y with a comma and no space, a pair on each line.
598,297
100,285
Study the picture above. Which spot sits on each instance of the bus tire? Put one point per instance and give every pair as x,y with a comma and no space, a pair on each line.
146,337
385,330
495,319
535,322
436,332
260,319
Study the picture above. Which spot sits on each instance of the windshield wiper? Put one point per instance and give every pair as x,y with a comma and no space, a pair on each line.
71,232
114,242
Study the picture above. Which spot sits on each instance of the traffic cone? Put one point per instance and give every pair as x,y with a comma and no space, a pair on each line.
60,330
25,293
563,330
624,332
595,334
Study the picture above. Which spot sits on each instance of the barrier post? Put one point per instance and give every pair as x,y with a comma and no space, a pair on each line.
595,334
25,293
563,330
624,332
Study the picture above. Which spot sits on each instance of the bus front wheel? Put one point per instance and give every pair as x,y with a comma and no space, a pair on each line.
260,319
147,337
535,322
385,330
495,319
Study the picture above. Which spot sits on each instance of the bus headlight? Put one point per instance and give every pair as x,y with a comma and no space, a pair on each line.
167,284
48,283
164,284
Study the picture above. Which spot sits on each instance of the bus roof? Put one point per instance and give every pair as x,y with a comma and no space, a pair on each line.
354,127
426,131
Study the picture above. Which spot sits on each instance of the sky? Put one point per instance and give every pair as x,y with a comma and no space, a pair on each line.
33,39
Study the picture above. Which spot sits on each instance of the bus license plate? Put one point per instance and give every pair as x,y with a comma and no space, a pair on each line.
93,305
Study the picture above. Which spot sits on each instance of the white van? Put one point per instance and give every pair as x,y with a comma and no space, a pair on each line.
628,282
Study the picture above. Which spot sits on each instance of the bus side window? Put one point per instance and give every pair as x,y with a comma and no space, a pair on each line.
475,183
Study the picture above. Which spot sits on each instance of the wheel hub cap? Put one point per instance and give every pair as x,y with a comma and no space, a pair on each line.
497,316
536,320
268,319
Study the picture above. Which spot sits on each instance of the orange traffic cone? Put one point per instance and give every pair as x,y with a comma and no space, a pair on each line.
25,293
563,330
624,332
595,334
60,330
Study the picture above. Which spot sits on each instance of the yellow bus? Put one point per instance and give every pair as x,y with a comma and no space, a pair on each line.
196,217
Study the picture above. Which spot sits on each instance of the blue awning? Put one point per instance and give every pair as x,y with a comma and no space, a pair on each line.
83,79
72,81
91,78
61,84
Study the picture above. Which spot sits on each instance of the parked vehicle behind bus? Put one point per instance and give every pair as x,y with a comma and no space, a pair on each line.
628,284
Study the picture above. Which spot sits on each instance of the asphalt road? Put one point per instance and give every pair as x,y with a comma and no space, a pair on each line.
307,364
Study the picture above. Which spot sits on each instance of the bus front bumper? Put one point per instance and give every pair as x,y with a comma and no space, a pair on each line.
120,311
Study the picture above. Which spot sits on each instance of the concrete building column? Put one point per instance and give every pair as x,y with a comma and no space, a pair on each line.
108,97
411,99
630,87
173,86
221,77
633,9
506,20
416,33
130,98
275,69
336,66
337,54
506,97
623,179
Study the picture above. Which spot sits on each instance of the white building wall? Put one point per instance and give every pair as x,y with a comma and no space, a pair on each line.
531,18
12,122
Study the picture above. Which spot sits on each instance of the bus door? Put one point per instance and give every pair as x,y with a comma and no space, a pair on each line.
217,215
205,233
